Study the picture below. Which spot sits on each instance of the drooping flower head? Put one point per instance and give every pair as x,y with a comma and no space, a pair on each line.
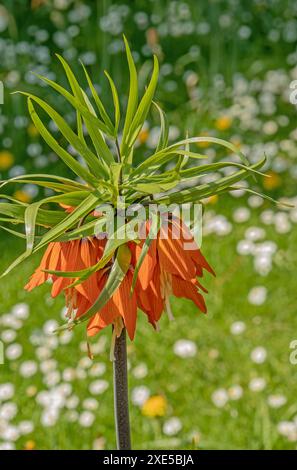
106,272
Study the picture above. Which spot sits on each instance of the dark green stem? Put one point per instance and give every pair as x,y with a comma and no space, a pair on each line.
121,399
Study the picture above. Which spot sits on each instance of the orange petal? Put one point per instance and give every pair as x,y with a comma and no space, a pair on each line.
188,290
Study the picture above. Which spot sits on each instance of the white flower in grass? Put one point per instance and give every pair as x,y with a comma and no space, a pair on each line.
52,378
257,384
172,426
48,365
86,419
140,395
52,341
43,353
259,355
241,214
65,337
49,417
50,326
276,401
257,295
72,402
99,443
8,411
255,201
81,374
13,351
6,391
85,362
26,427
254,233
7,446
65,389
96,370
28,369
42,398
8,336
72,416
263,264
10,321
267,217
90,404
220,397
285,428
185,348
20,311
235,392
140,371
245,247
10,433
237,327
69,374
98,386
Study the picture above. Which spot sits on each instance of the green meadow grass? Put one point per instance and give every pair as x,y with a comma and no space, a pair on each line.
222,359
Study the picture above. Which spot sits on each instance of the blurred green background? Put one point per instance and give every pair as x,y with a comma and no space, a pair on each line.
221,381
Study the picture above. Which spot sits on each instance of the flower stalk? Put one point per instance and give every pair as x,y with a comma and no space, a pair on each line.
121,399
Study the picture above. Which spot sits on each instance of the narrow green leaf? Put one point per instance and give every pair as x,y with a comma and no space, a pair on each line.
75,166
163,139
82,210
80,146
142,111
116,103
99,103
133,95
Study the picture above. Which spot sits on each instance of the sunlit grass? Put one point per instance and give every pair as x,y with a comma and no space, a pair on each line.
222,359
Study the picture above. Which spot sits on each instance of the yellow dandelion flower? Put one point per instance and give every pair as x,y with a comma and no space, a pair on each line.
30,445
272,181
32,130
203,144
223,123
22,196
154,406
6,160
143,136
213,199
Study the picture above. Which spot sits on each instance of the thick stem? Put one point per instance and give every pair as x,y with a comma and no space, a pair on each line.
121,400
